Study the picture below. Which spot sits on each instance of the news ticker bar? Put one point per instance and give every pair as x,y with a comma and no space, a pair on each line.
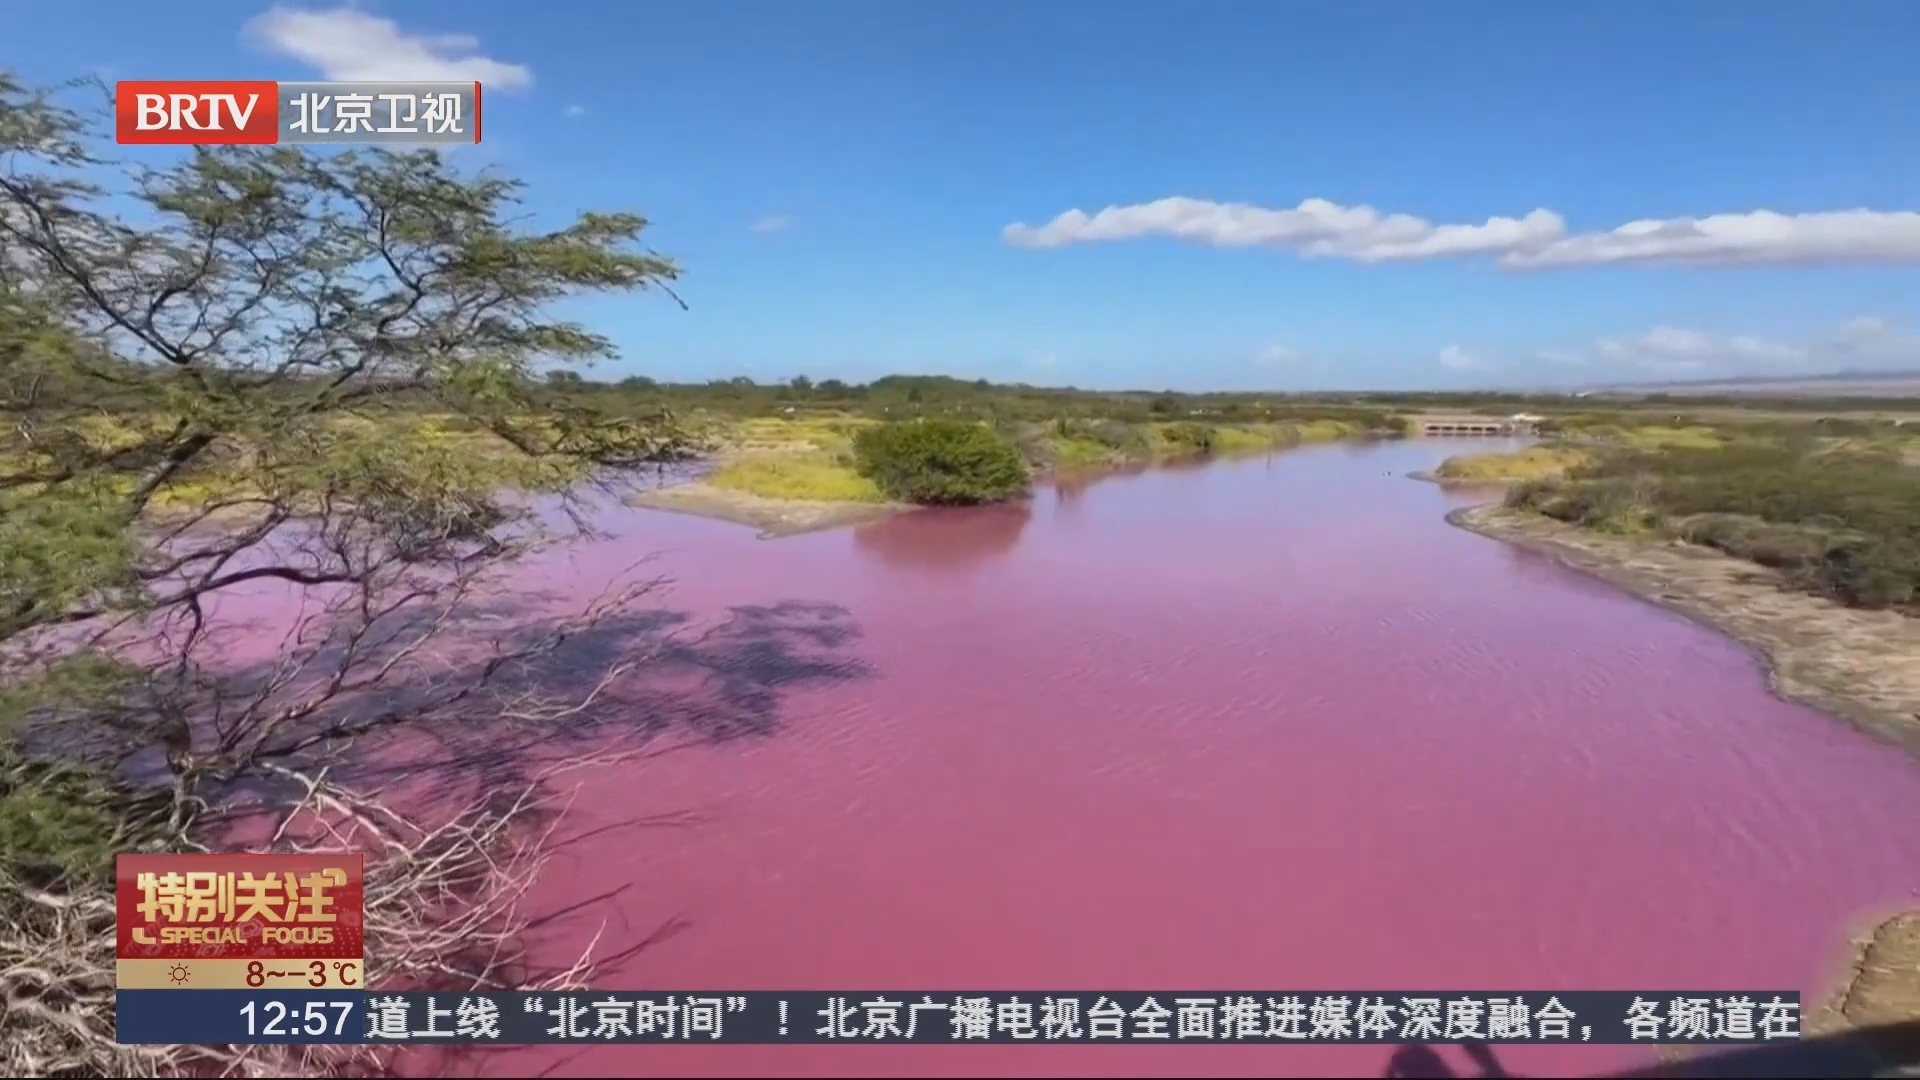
207,1017
175,112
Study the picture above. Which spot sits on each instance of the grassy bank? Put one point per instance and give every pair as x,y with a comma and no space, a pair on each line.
793,440
1833,512
809,457
802,457
1533,463
796,478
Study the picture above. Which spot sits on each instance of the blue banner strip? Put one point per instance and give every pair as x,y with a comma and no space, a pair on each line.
504,1018
219,1017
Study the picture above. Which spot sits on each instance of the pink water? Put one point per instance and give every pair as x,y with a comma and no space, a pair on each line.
1263,725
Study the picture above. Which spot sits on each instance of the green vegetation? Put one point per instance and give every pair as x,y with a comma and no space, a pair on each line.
1330,429
1071,453
334,363
1656,437
1832,502
940,462
1116,419
1618,430
61,822
1075,443
824,432
1183,438
809,458
1840,518
1532,463
1231,439
809,455
773,476
806,451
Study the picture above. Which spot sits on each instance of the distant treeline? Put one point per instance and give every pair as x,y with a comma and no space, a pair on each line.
909,396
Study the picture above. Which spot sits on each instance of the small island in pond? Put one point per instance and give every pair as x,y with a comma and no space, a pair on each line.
801,456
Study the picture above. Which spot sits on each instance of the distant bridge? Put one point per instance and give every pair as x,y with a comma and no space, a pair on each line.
1475,426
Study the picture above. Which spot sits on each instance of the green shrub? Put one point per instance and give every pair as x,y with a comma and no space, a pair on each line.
941,462
1074,452
1783,547
1120,435
1842,522
1881,572
1187,437
61,823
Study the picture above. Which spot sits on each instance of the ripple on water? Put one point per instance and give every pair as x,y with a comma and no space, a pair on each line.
1264,725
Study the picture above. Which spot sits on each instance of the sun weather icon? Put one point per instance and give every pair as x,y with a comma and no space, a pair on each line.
178,973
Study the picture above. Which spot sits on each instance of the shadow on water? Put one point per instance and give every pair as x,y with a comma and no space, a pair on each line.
464,716
707,684
940,540
1887,1050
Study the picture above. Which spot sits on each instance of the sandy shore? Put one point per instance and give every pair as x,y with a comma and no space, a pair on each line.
772,517
1860,666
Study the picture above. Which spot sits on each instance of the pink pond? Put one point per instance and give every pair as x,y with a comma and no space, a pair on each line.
1261,725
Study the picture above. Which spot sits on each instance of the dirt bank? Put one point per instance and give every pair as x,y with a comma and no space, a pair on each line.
1861,666
773,517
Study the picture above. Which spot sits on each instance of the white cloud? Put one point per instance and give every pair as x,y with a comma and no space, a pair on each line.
573,111
1759,238
1278,356
1863,343
1455,358
1865,330
1539,239
1561,356
1314,228
771,223
342,43
1671,347
1046,360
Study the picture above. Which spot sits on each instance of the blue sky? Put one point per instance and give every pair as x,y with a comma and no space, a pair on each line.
838,178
